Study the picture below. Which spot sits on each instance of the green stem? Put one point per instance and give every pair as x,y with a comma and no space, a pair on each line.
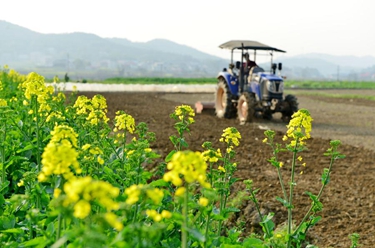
211,176
206,230
3,156
59,222
113,148
279,173
319,195
37,135
59,218
185,218
223,195
290,203
259,212
135,213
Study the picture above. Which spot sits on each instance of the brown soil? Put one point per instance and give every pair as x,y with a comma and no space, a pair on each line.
349,197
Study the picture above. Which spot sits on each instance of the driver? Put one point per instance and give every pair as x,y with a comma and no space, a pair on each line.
248,64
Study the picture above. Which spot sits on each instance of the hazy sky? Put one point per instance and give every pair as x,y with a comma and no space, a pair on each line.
334,27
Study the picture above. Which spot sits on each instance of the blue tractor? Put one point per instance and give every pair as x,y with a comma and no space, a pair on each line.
247,93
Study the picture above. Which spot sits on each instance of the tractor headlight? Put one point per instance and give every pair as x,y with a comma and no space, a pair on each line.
270,86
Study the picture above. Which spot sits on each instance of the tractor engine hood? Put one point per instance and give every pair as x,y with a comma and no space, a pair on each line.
271,77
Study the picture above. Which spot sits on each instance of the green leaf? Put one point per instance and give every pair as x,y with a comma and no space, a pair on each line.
253,243
12,230
2,200
184,143
169,156
315,220
267,224
283,201
173,139
159,183
196,234
26,148
51,228
60,242
232,210
34,242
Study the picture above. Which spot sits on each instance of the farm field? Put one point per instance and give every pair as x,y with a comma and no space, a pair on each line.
348,199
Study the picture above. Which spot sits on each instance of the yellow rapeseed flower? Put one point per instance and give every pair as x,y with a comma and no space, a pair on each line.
154,215
156,195
124,122
299,127
56,192
82,209
189,165
81,192
231,136
3,103
100,160
211,155
203,201
112,219
166,214
184,113
133,193
180,191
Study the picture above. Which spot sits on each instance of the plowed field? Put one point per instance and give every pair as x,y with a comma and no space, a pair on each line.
349,197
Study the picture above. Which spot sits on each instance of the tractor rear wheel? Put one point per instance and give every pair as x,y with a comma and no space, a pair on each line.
292,103
246,107
224,106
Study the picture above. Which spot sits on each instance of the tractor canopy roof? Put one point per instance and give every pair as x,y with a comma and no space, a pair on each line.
248,44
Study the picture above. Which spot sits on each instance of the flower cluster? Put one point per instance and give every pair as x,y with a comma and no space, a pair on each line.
3,103
299,127
152,213
14,76
231,136
82,192
95,110
135,191
190,165
210,155
60,155
184,113
124,122
34,87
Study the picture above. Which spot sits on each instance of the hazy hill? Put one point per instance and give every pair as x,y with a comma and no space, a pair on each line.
85,55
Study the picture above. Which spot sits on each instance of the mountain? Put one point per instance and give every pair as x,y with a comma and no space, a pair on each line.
84,55
329,66
90,56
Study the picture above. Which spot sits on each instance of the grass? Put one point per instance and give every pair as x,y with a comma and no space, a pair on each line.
156,80
329,84
332,95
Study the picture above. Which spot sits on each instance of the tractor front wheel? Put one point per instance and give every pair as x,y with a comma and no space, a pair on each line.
246,107
292,103
224,106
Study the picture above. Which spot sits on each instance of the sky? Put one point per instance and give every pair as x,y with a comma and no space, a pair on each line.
333,27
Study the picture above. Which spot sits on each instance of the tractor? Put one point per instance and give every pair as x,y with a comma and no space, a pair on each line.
248,94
